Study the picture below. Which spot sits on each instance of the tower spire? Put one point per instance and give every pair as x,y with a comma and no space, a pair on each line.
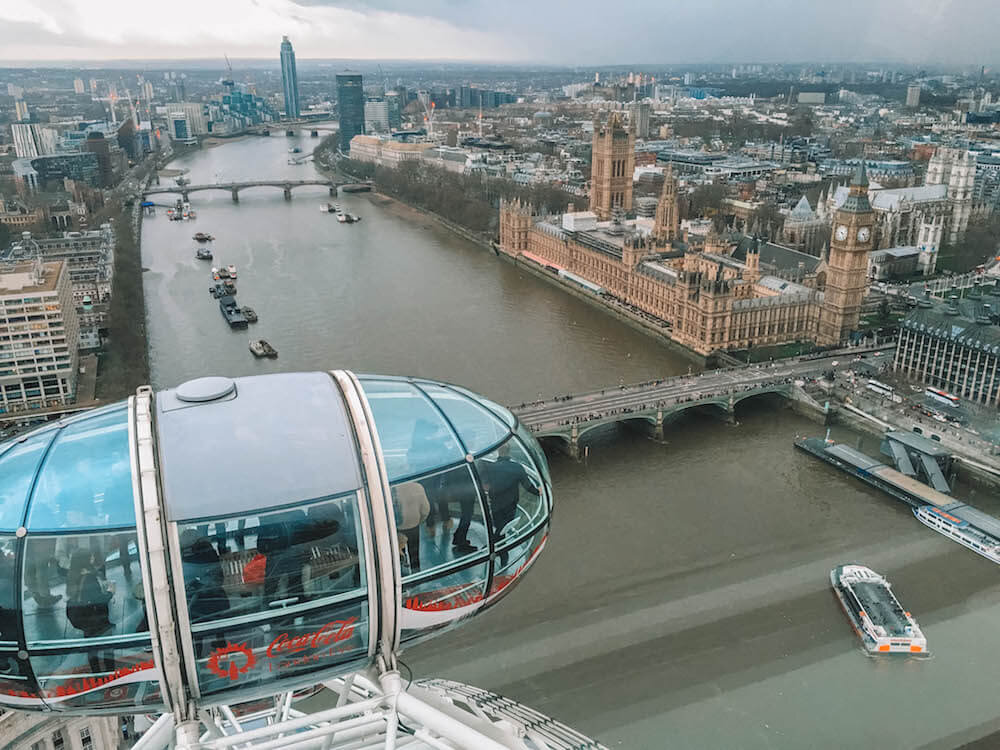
860,178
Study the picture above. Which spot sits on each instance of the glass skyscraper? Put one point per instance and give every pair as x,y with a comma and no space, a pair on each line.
351,102
289,79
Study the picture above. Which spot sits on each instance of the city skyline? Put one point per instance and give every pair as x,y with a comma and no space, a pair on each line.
951,33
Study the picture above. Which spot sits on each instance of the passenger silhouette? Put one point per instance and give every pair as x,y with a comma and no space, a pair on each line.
412,509
503,480
284,541
203,577
87,605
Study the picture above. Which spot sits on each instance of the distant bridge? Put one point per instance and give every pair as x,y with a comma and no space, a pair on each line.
235,187
566,419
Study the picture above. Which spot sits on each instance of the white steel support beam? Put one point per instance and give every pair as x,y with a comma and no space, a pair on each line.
386,550
153,559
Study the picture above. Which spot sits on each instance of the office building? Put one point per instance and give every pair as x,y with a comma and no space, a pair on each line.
78,86
111,159
48,172
38,336
33,139
197,117
394,104
21,110
180,129
351,104
289,79
376,116
913,95
954,345
612,167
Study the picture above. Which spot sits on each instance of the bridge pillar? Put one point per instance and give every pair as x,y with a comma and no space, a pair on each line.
288,193
184,196
731,410
658,426
574,444
333,190
236,195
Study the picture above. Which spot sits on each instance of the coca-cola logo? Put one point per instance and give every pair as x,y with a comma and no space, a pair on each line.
226,660
331,632
232,660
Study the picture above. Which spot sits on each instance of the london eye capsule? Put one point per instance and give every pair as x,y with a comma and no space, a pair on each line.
234,538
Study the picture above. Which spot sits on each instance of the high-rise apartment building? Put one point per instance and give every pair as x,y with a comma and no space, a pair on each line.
21,110
351,103
38,336
639,115
289,79
78,86
913,95
612,166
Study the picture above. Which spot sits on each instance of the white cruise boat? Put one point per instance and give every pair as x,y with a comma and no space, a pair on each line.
876,615
232,271
959,530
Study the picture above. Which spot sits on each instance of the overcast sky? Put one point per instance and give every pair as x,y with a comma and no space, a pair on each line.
580,32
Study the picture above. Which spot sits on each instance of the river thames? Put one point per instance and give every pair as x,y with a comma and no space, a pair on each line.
683,600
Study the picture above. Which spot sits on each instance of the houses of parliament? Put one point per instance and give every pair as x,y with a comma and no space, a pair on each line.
706,298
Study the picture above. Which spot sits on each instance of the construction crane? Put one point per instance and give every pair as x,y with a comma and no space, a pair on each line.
228,80
385,80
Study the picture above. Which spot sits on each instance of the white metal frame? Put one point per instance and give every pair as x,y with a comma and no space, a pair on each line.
372,711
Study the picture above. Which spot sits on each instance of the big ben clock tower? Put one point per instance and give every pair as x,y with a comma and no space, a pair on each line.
847,268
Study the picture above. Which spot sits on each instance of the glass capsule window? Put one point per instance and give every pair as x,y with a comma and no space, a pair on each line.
78,587
17,472
276,594
415,437
86,478
439,521
271,561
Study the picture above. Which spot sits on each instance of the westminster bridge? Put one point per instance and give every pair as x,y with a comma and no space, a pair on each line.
650,405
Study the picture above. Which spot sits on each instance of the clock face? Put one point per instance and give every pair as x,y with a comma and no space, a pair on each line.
863,234
841,232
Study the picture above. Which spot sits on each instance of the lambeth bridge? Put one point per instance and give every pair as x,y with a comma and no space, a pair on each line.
566,419
236,187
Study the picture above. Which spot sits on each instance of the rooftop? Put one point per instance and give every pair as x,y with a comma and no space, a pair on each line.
20,278
965,324
776,256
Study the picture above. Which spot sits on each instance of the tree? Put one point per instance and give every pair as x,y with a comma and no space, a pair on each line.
982,241
705,199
